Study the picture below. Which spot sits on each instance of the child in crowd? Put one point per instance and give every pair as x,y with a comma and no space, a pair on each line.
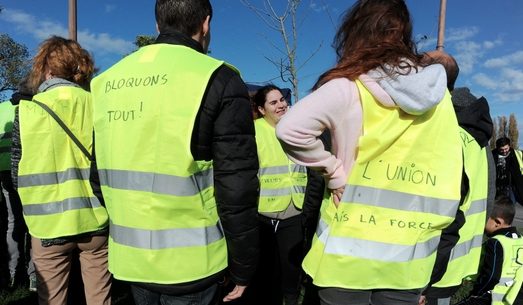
498,279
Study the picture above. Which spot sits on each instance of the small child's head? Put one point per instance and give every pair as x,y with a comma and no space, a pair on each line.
501,216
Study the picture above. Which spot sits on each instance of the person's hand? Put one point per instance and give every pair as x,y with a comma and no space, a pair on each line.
422,300
337,194
235,293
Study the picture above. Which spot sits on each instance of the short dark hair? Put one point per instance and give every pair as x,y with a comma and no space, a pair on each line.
185,16
503,208
261,94
502,142
448,62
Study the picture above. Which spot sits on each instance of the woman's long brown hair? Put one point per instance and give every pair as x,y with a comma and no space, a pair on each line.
63,58
374,33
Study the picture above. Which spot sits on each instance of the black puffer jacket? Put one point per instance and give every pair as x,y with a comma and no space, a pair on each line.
224,132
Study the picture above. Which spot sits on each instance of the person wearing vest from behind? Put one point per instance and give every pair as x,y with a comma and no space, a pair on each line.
500,276
52,144
290,197
460,247
177,164
395,168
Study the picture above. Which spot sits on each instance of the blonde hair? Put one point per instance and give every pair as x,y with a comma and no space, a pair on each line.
63,58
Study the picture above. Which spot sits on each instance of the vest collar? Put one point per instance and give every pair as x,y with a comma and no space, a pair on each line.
175,37
55,82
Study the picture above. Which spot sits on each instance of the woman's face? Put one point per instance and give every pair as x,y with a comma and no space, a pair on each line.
274,108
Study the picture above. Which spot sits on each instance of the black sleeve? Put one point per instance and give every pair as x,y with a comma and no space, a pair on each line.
94,178
516,178
224,131
16,150
490,270
314,192
313,197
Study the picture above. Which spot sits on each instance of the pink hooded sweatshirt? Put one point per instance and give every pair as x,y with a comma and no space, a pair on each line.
336,106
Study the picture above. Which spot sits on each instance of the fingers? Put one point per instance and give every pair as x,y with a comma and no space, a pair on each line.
235,293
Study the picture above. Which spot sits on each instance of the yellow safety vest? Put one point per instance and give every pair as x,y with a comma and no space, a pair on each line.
281,180
511,276
164,222
53,174
519,154
403,190
465,256
7,114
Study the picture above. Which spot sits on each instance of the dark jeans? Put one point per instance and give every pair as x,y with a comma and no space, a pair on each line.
143,296
278,276
338,296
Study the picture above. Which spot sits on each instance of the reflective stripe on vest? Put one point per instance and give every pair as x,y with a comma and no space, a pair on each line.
157,183
160,200
53,175
166,238
281,180
7,114
53,178
465,257
512,262
402,192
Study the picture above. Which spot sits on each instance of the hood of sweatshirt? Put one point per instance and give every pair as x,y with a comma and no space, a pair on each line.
415,92
473,115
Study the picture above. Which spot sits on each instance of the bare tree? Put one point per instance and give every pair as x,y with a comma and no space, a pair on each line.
513,132
502,126
286,24
494,135
506,128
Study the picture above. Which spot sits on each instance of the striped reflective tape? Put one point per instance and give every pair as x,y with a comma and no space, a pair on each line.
399,200
464,248
54,177
157,183
380,251
476,207
274,170
374,250
165,238
59,207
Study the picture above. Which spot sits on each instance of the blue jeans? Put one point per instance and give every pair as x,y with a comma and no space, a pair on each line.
143,296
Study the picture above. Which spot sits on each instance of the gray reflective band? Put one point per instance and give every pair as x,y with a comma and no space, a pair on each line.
298,189
374,250
296,168
53,178
58,207
444,301
497,297
399,200
477,206
465,247
380,251
321,229
264,192
164,239
157,183
274,170
506,281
